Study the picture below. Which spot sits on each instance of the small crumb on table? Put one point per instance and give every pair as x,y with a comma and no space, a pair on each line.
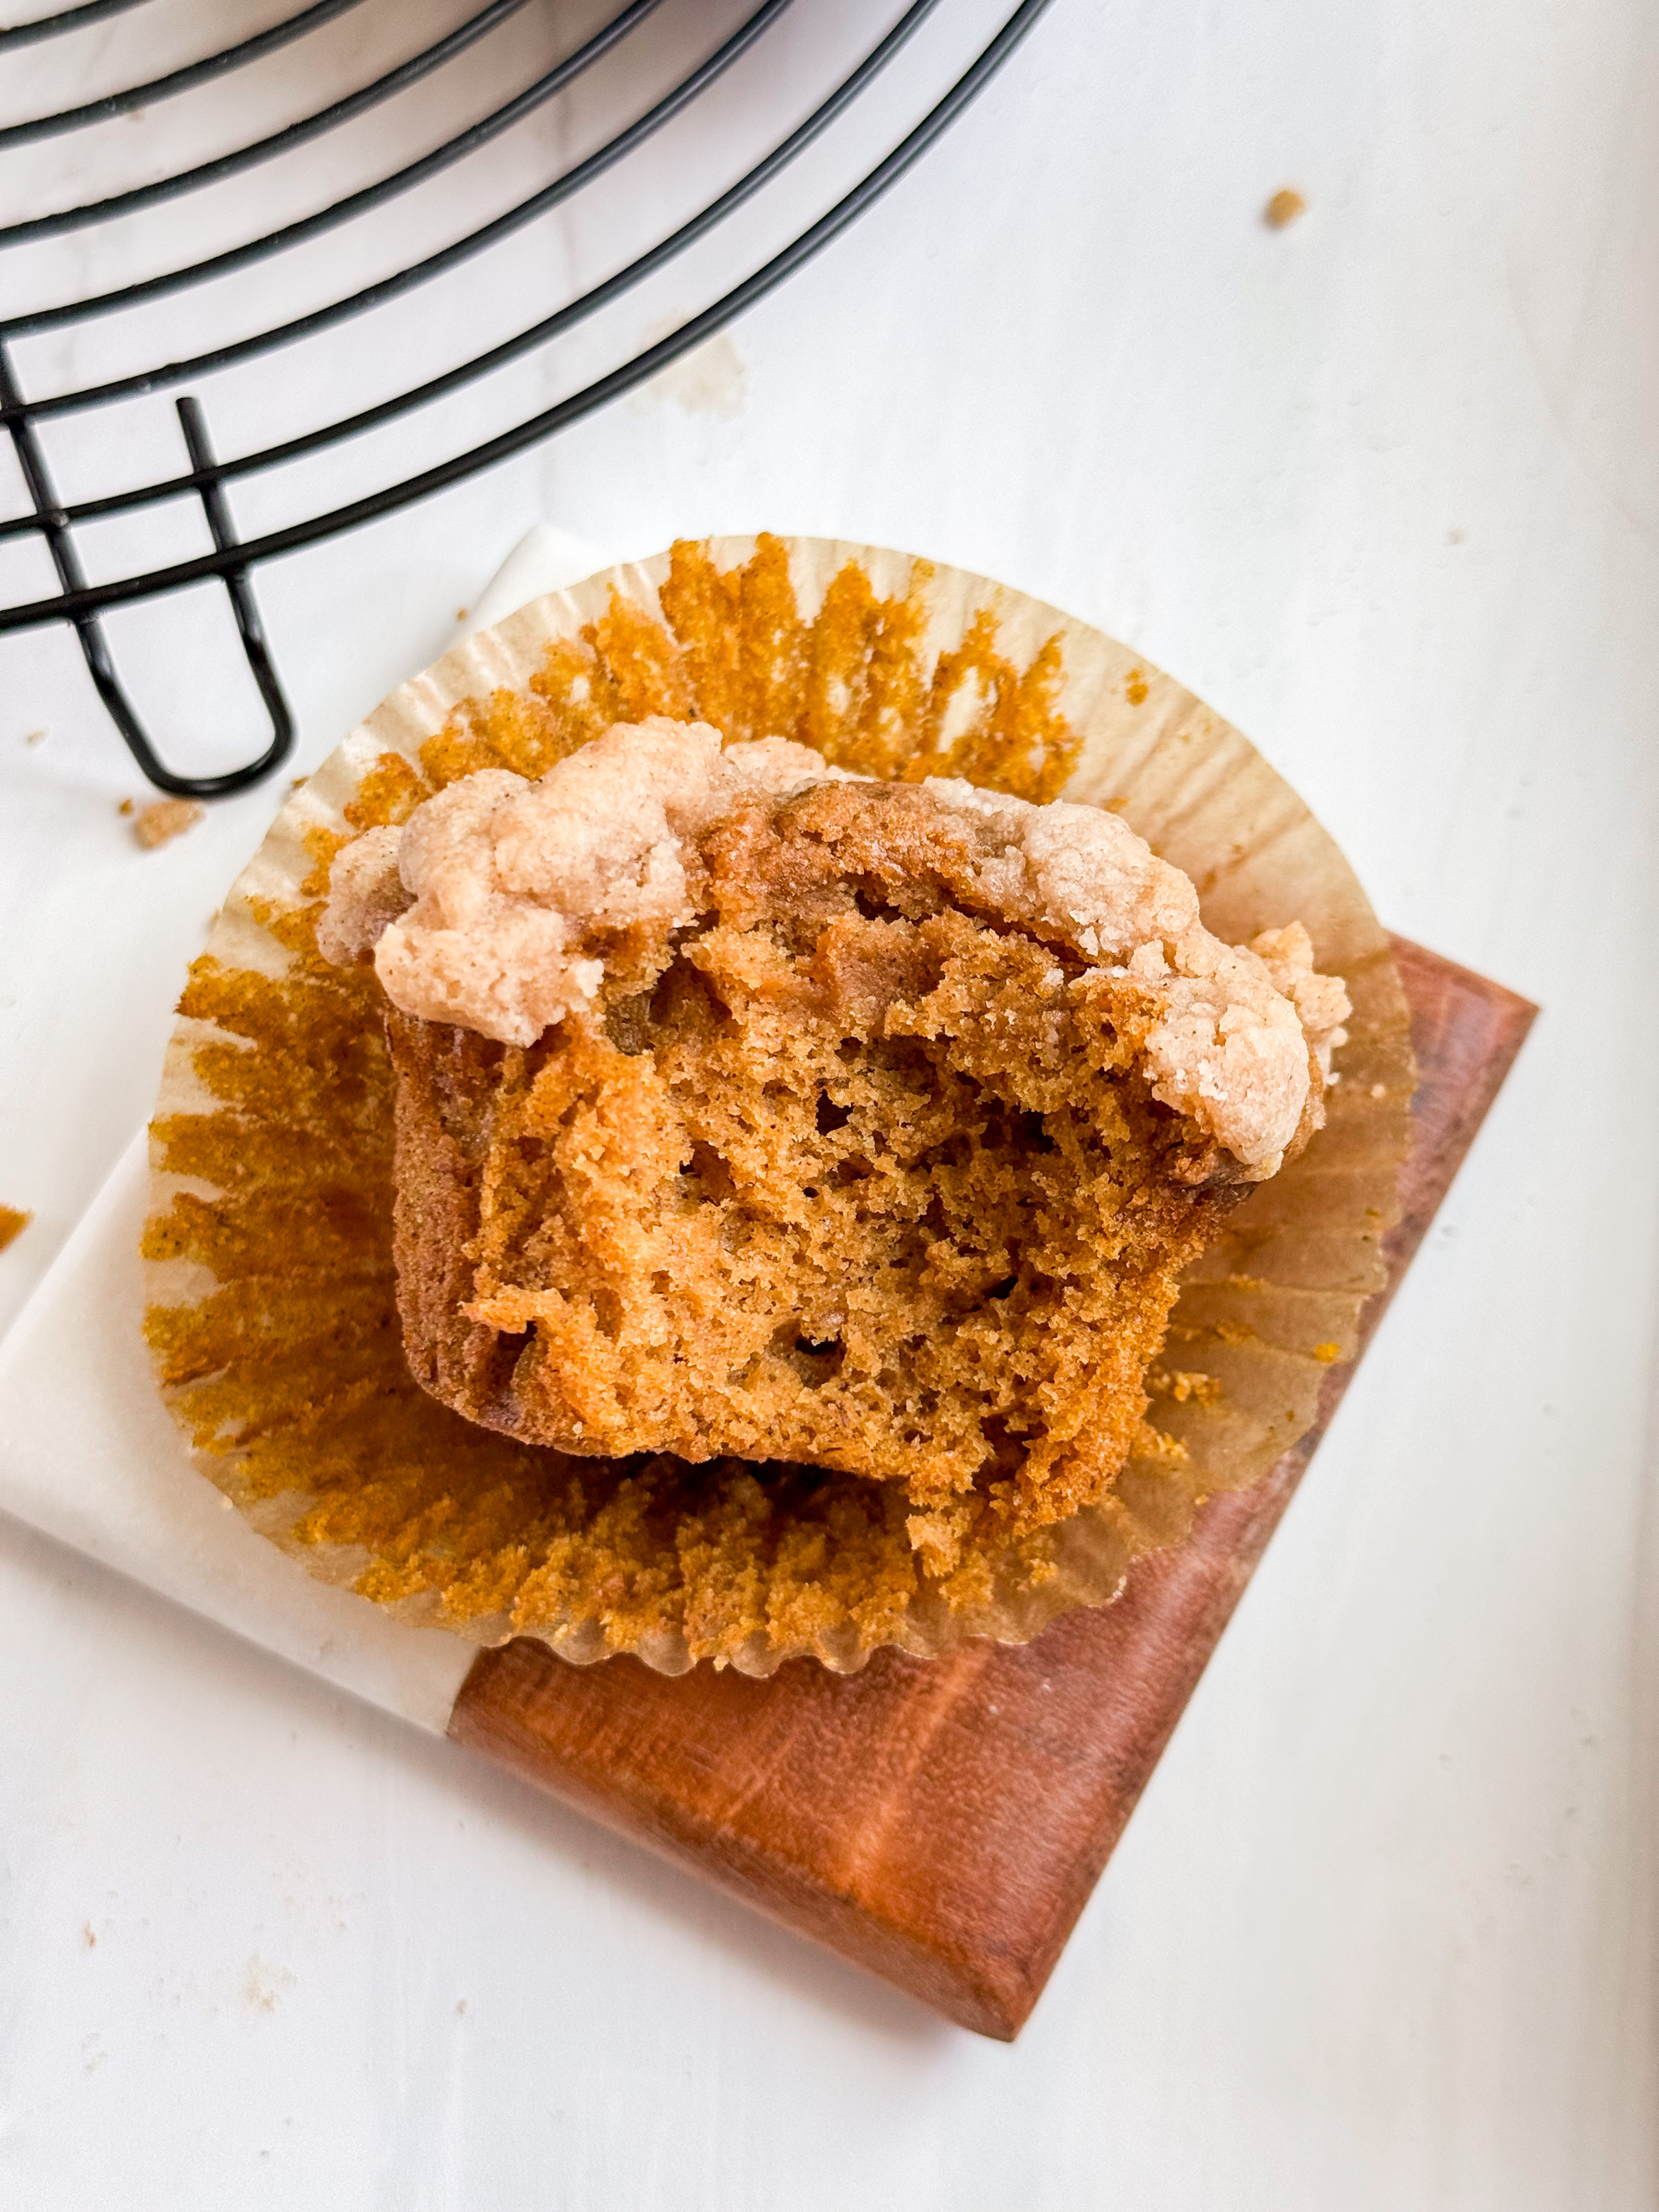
162,819
1286,205
12,1222
36,736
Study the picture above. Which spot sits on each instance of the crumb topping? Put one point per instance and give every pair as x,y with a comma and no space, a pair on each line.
498,903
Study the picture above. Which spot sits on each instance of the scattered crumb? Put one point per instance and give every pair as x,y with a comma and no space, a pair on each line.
164,818
12,1222
262,1984
1453,537
460,614
460,2008
1233,1332
127,806
36,737
1179,1384
1325,1353
1286,205
89,1935
296,782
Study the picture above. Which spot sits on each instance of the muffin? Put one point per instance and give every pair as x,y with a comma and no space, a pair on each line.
324,1156
749,1106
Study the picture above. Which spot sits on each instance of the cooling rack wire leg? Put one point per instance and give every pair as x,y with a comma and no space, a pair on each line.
53,526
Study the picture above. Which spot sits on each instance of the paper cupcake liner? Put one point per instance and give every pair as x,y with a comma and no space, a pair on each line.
272,1319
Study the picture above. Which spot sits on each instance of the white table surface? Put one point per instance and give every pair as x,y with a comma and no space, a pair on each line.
1385,488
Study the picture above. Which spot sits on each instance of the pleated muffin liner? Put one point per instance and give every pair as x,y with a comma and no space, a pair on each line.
1261,1318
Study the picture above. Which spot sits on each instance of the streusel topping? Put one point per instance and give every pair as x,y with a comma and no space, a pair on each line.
496,906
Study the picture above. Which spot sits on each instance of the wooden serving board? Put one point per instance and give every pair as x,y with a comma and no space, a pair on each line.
943,1822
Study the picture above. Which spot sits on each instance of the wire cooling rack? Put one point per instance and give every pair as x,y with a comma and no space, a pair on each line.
34,417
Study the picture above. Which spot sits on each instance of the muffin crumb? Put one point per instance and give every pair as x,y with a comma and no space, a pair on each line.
12,1222
1282,209
162,820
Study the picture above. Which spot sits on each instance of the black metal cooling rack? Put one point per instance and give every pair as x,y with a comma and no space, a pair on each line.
54,522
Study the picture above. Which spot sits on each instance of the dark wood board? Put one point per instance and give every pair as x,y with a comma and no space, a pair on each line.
942,1823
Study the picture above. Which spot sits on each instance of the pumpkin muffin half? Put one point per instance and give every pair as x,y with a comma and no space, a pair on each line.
748,1107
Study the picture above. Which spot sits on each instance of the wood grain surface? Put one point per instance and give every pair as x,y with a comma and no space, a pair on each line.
942,1823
